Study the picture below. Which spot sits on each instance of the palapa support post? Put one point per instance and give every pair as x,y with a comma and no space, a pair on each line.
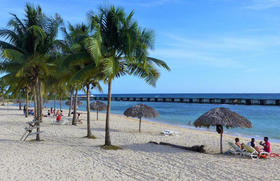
221,146
219,129
140,124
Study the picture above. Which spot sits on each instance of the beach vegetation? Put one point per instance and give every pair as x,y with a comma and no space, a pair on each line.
124,47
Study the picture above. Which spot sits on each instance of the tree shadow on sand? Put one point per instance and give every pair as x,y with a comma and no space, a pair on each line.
101,129
150,148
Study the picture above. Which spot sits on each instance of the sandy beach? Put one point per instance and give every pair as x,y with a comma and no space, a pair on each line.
66,155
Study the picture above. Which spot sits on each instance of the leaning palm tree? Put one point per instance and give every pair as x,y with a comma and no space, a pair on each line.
125,50
31,41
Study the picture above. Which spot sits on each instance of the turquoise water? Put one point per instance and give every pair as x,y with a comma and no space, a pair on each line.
265,119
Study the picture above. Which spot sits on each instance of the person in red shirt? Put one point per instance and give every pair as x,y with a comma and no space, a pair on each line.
266,145
58,118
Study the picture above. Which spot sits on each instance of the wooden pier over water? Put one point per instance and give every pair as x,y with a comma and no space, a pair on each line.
238,101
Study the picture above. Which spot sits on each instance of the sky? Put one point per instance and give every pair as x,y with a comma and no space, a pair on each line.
211,46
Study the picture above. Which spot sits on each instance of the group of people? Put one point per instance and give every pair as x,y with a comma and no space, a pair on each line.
266,145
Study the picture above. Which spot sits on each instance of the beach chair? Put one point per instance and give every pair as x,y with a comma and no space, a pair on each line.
168,132
236,150
252,152
32,125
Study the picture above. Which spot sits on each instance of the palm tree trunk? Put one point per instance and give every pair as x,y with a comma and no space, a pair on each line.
107,126
74,120
19,105
26,103
70,106
41,101
37,84
54,105
60,102
89,134
35,102
97,115
140,124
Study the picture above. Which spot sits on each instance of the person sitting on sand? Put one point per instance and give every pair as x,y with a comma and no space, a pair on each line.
49,113
30,111
237,143
266,145
252,144
79,120
61,112
58,118
57,113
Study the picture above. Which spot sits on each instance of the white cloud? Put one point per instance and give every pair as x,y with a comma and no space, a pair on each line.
226,43
218,51
263,4
197,57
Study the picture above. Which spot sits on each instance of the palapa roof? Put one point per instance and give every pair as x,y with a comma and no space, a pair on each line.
222,116
141,110
68,102
98,105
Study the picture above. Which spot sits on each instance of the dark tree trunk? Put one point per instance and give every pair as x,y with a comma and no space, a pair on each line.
35,102
74,120
107,126
97,114
89,134
70,106
26,103
19,105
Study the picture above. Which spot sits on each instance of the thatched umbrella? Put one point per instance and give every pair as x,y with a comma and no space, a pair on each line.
139,111
78,103
98,106
220,117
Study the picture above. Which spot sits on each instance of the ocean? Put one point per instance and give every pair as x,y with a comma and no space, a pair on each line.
265,119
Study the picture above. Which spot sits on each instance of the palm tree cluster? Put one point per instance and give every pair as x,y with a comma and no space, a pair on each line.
37,64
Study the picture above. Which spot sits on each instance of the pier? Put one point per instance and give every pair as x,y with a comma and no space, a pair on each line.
233,101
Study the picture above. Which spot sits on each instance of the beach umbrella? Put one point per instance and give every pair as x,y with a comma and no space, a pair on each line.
139,111
222,117
78,103
98,106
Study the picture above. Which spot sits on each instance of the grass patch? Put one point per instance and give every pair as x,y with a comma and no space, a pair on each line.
111,147
90,137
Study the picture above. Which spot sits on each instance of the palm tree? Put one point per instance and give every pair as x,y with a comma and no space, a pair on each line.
125,50
31,40
84,60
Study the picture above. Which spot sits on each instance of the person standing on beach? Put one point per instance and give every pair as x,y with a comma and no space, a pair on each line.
266,145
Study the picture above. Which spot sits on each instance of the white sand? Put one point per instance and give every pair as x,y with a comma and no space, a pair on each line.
65,155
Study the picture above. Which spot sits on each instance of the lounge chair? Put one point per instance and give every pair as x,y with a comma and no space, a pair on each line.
168,132
252,152
236,150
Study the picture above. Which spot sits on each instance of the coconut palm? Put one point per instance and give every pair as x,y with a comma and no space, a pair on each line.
124,46
31,41
83,60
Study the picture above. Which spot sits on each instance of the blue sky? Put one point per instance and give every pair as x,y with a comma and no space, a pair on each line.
212,46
